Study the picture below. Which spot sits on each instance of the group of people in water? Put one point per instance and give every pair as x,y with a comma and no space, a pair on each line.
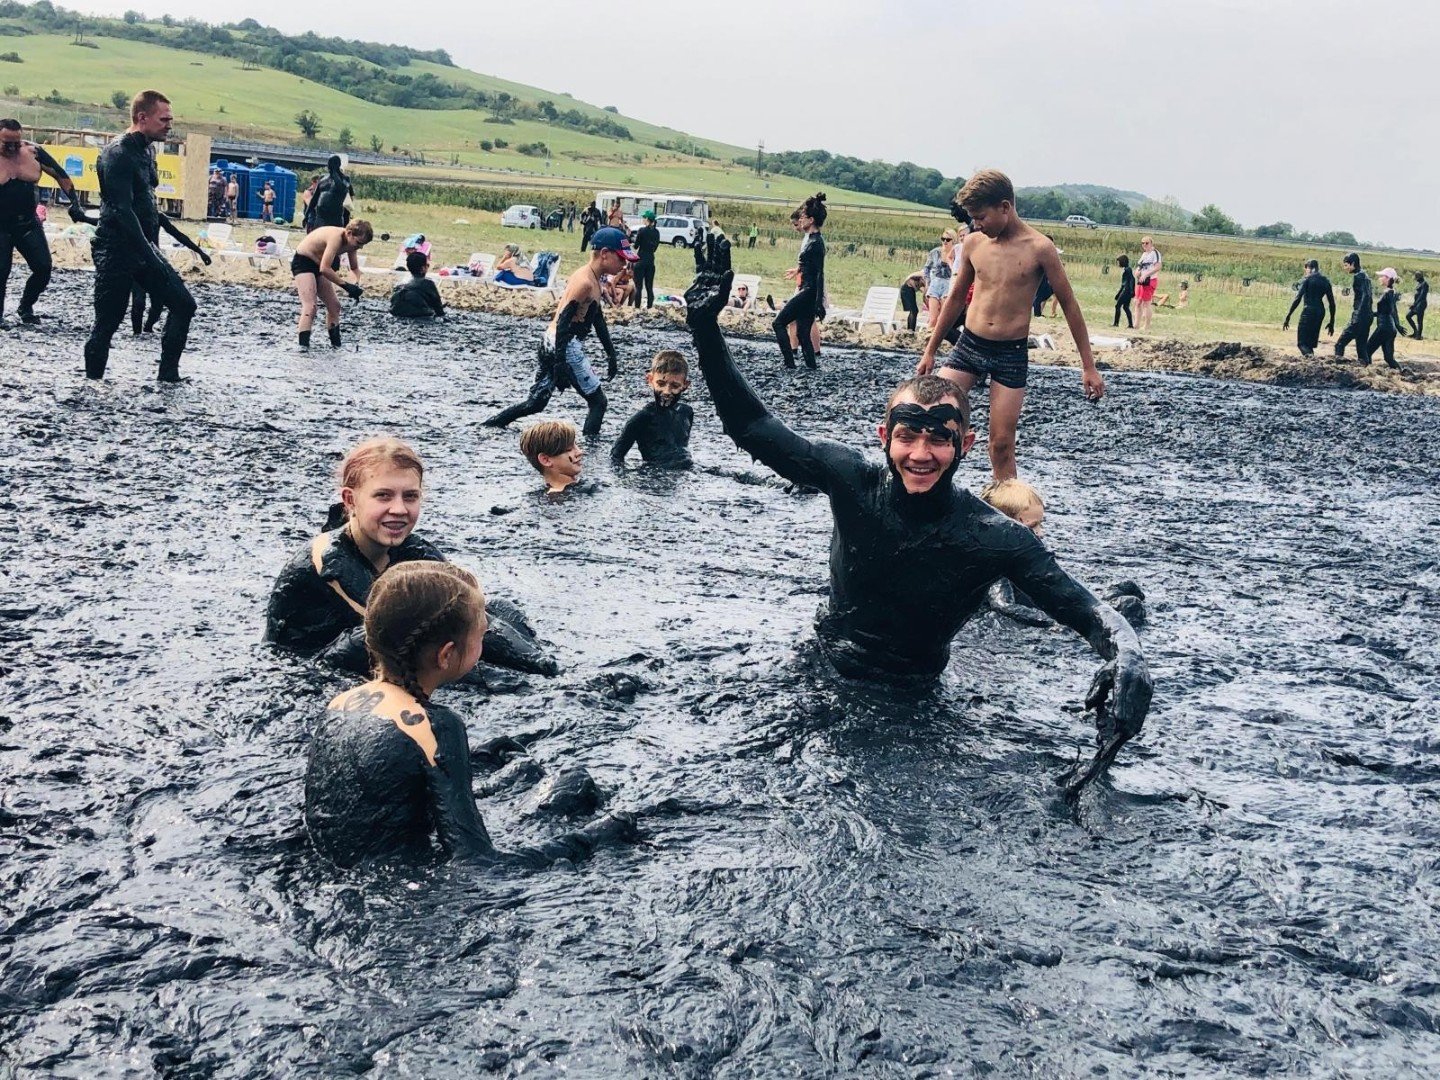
913,556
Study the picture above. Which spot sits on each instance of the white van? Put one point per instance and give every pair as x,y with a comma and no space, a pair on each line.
522,217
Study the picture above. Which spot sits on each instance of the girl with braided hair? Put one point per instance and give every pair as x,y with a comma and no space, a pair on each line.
389,770
317,606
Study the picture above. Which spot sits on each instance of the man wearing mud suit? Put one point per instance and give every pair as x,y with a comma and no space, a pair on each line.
1361,316
1314,292
911,557
330,196
562,359
21,163
124,255
1419,301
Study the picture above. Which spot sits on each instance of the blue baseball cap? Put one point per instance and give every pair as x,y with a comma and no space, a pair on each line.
611,239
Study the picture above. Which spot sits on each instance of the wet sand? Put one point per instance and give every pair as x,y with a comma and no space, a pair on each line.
857,882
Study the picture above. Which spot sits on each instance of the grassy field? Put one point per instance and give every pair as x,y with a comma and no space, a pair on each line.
217,95
1221,306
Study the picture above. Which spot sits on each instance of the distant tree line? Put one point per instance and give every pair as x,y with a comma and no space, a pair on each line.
906,181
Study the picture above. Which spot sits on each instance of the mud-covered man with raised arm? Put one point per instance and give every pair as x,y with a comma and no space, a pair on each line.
911,556
124,254
21,164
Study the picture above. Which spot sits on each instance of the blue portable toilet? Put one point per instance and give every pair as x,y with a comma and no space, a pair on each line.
242,177
285,184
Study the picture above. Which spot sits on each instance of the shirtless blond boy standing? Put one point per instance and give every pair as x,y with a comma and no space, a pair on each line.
562,360
1005,259
314,269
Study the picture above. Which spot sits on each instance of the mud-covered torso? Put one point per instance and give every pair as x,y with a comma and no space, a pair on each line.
124,171
663,434
18,176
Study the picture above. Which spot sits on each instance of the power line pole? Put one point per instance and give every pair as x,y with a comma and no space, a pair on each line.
760,157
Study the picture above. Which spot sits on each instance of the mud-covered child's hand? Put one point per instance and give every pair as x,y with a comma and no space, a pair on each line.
1120,698
707,296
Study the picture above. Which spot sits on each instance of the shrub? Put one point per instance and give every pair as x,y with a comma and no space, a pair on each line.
11,58
486,145
120,99
501,144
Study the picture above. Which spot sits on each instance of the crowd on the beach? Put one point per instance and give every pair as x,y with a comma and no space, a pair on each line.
914,555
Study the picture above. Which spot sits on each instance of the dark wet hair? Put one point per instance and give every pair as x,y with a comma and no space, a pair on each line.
814,209
416,262
1122,260
10,125
931,390
414,606
1419,275
1352,259
333,163
1312,264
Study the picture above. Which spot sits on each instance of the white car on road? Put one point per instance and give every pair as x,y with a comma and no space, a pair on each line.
1081,221
677,231
522,217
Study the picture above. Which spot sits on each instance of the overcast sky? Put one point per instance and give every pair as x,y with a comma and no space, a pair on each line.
1312,112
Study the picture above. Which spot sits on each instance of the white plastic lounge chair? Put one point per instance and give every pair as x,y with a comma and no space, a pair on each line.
879,307
752,282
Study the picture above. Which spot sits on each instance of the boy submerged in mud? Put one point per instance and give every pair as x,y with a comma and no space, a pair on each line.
662,427
562,360
389,771
912,557
317,606
1005,259
314,269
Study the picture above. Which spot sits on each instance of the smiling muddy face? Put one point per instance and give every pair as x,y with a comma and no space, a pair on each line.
925,440
385,507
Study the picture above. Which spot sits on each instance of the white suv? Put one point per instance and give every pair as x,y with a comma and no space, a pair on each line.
677,231
522,217
1081,221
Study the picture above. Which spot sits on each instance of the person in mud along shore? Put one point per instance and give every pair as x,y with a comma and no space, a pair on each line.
1387,319
123,253
137,291
554,452
1362,313
911,288
1125,293
661,427
317,606
21,164
562,360
1020,502
1314,293
1415,317
418,297
314,269
807,305
1004,258
911,556
388,771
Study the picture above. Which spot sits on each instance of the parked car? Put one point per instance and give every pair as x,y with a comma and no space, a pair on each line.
522,217
555,219
1081,221
677,231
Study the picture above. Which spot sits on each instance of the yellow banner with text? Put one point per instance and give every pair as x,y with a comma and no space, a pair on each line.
79,164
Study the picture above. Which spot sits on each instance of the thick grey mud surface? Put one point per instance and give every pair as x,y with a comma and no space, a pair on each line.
857,882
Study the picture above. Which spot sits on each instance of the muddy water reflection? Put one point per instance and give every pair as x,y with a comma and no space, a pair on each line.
851,883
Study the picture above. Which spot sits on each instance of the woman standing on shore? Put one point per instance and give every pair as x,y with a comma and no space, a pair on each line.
1387,319
807,305
939,267
1147,279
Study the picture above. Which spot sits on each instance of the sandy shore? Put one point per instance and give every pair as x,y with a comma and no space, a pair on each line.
1215,359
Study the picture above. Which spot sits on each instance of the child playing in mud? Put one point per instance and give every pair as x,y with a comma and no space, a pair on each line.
314,268
417,298
661,427
389,771
1005,259
562,360
551,447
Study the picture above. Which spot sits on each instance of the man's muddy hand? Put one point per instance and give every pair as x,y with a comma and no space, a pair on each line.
707,296
1120,698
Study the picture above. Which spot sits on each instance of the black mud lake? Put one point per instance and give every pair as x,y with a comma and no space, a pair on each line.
850,882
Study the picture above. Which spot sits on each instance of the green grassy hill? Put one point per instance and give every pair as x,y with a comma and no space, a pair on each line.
223,95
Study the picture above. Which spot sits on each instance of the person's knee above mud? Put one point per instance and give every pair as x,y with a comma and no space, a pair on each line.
662,427
418,297
389,772
1004,259
562,361
313,267
317,606
912,556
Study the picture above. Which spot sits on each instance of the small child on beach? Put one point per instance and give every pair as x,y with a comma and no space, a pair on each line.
661,427
551,447
1005,259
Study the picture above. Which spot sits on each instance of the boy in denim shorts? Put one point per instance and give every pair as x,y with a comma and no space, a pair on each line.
1004,258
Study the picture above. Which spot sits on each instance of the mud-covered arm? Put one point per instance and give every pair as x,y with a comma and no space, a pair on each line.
1121,690
52,168
1364,299
577,845
1330,299
602,335
812,258
171,228
431,292
1299,296
745,419
508,644
347,652
121,179
1001,600
447,784
628,434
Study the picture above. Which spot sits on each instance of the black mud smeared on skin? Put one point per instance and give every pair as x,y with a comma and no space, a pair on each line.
836,879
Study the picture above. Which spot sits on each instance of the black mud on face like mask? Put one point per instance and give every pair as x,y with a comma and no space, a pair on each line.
932,419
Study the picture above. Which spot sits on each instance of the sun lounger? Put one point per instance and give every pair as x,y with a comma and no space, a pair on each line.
879,307
752,282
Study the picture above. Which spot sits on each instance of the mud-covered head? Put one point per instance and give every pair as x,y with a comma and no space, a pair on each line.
926,431
1351,263
812,213
11,137
668,377
424,623
332,163
381,488
989,198
1018,500
1122,261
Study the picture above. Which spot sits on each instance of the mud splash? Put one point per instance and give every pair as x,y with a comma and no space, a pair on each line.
849,882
